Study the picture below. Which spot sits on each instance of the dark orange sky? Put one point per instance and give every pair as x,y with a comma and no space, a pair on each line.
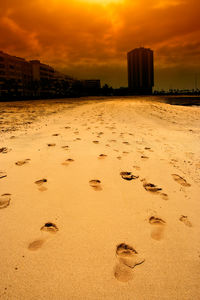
90,39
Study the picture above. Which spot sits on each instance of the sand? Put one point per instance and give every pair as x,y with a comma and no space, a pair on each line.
99,200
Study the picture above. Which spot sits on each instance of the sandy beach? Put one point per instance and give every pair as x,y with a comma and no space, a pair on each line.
99,200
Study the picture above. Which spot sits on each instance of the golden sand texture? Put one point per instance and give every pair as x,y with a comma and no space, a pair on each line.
99,200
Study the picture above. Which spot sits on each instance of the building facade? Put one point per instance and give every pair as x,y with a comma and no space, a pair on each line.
15,76
31,79
43,79
140,71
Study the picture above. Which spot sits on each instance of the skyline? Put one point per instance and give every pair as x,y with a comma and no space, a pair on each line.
91,38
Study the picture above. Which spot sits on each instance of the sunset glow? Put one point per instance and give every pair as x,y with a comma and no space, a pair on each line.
90,38
103,1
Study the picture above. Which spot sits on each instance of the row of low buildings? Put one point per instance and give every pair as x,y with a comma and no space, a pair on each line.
32,79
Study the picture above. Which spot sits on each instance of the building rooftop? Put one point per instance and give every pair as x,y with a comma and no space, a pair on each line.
139,49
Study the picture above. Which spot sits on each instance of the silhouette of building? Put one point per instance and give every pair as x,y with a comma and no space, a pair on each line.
26,79
140,71
15,76
91,86
92,83
43,79
23,79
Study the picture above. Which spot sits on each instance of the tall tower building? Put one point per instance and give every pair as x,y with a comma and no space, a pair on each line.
140,71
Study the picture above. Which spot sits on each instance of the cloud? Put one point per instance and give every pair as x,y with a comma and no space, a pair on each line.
88,39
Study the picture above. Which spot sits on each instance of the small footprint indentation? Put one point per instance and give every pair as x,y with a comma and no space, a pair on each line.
102,156
49,227
127,258
5,200
158,228
22,162
180,180
128,176
150,187
2,174
35,245
68,161
40,183
143,157
185,220
95,184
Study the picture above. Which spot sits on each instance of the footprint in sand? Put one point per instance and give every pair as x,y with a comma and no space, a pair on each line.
125,152
185,220
35,245
119,157
2,174
149,149
4,150
49,227
95,142
128,176
68,161
51,145
143,157
127,259
22,162
5,200
40,184
95,184
158,226
100,133
55,134
150,187
65,147
126,143
180,180
164,196
137,168
67,127
102,156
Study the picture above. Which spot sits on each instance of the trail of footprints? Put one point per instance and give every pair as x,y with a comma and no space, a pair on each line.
127,258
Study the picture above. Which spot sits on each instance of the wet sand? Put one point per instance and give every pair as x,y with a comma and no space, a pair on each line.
99,200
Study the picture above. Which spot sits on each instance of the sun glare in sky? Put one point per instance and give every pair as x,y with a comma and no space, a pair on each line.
103,1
